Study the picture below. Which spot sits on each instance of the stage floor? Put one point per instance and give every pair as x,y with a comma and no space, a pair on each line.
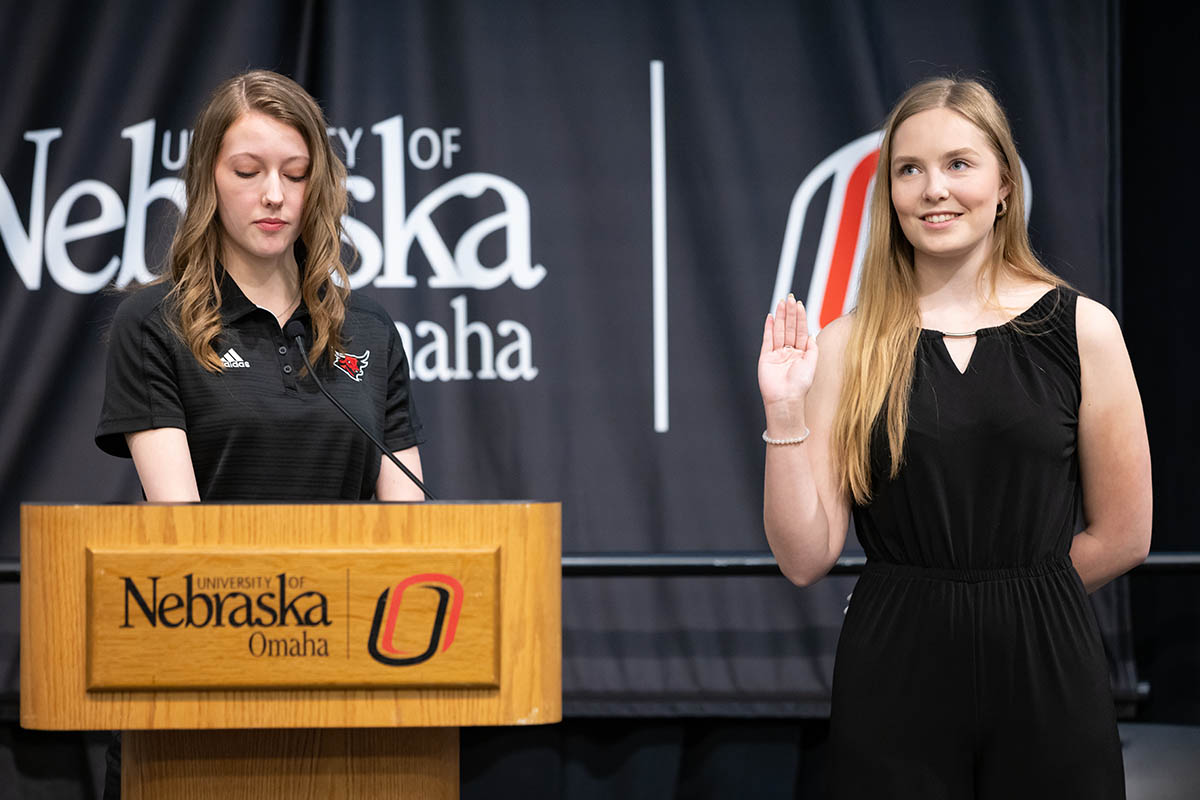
1162,762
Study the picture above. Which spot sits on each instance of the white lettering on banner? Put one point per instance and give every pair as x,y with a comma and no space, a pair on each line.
476,350
359,234
25,248
350,142
48,237
514,361
414,148
141,194
59,234
442,148
175,164
463,269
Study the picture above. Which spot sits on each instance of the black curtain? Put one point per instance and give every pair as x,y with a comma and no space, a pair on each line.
1161,282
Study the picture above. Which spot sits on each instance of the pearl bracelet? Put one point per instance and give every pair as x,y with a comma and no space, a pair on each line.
792,440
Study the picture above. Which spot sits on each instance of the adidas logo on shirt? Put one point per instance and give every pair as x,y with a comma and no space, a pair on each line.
232,360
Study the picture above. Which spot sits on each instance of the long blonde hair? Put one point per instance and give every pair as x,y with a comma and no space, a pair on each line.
196,247
880,355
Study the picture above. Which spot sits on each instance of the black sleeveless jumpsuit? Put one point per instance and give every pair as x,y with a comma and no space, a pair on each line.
969,663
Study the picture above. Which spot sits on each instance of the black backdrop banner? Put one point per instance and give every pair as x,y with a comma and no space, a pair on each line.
578,214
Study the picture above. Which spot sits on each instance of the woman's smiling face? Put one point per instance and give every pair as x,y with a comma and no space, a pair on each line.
946,184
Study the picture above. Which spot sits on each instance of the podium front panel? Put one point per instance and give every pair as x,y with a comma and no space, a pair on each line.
78,672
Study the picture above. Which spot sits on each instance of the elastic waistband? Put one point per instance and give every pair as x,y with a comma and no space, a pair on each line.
1049,567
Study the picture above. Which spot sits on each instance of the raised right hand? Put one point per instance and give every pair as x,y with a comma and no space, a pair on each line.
788,360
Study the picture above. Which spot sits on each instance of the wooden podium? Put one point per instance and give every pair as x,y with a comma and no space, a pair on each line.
300,651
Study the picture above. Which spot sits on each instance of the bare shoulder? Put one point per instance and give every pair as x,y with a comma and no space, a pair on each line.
1105,371
1096,328
833,341
834,336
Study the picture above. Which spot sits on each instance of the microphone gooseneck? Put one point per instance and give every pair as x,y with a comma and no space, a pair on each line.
295,331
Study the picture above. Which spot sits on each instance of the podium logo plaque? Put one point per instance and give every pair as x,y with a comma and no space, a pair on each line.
166,618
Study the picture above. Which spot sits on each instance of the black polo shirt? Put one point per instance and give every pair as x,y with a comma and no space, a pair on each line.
258,430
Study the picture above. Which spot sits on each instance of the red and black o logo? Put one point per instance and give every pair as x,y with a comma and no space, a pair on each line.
382,645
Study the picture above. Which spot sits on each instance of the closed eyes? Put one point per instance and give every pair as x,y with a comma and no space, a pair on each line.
292,178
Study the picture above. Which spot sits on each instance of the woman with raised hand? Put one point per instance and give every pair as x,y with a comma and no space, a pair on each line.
968,412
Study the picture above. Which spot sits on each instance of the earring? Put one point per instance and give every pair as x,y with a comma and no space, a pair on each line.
1002,209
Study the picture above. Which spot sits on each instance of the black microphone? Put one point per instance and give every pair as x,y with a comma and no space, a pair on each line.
295,330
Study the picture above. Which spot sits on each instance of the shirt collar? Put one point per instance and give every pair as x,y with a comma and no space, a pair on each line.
235,304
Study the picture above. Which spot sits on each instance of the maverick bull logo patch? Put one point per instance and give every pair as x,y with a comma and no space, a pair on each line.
351,364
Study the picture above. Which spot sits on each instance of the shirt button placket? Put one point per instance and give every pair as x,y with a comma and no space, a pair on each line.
289,372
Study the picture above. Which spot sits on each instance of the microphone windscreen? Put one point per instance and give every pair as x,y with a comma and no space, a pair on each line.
293,329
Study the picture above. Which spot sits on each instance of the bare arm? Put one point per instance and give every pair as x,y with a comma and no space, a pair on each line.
394,484
1114,457
164,465
805,514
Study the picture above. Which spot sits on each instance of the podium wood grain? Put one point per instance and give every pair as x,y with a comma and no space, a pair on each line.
331,764
55,540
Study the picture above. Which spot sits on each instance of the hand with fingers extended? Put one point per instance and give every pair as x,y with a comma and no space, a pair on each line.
787,362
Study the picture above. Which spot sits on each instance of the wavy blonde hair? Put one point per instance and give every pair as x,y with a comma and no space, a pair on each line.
882,344
196,247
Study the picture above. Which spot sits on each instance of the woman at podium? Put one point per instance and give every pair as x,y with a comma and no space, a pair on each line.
207,388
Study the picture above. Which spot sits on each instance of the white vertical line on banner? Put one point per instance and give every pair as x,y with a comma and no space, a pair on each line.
658,222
